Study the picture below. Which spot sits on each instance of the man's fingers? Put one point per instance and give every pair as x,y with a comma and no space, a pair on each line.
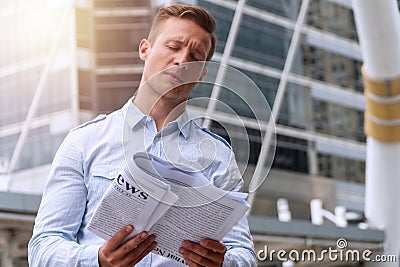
136,248
192,256
146,251
213,245
139,243
209,252
188,245
134,242
202,255
128,253
191,263
116,240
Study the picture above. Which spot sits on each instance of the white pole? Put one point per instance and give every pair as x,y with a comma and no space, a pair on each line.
38,94
259,174
378,27
74,70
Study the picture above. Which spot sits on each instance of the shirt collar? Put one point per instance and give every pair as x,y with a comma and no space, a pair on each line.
134,116
184,124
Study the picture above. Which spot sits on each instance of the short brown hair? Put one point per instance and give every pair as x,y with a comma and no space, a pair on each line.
198,15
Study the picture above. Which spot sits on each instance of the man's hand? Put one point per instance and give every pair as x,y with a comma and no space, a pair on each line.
208,253
113,253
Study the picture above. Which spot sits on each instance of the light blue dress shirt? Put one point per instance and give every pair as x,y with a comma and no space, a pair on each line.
91,157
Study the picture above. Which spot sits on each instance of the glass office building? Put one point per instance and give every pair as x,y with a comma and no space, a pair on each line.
38,105
320,144
319,126
37,82
94,68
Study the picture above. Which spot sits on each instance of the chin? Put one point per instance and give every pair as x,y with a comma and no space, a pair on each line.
174,94
177,94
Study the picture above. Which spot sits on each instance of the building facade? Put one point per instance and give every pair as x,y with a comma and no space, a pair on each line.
319,128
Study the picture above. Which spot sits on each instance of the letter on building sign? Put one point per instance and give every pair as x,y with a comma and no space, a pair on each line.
318,214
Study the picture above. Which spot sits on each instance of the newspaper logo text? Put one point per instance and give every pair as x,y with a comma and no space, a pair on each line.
169,255
131,189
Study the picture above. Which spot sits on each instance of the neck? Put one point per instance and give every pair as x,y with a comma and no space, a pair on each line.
161,108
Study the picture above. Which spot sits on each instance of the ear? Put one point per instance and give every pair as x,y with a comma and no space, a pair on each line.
144,49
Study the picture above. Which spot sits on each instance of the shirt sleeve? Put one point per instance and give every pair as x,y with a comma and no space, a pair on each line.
239,242
54,239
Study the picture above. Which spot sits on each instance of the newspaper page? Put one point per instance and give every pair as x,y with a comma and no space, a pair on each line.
168,201
187,220
202,210
125,202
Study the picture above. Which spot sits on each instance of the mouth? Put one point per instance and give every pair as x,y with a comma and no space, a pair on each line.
174,76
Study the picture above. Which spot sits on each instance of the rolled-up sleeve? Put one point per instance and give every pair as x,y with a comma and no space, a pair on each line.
54,239
240,249
239,242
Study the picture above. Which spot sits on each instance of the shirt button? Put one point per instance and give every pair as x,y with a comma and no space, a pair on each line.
156,139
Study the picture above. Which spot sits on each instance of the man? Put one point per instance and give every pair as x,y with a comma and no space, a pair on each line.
180,40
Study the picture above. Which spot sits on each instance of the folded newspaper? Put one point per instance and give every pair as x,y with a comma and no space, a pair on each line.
169,201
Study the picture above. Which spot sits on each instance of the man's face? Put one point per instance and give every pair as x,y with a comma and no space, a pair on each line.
175,57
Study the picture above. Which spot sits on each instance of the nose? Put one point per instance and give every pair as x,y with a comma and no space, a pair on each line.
182,57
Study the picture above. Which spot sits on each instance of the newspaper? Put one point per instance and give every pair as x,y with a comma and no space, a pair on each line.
168,201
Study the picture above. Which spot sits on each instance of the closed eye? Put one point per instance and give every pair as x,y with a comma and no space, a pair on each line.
174,48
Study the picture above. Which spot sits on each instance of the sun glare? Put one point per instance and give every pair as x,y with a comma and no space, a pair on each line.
29,28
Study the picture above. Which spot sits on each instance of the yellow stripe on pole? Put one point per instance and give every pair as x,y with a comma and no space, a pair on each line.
383,133
387,88
384,111
382,115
